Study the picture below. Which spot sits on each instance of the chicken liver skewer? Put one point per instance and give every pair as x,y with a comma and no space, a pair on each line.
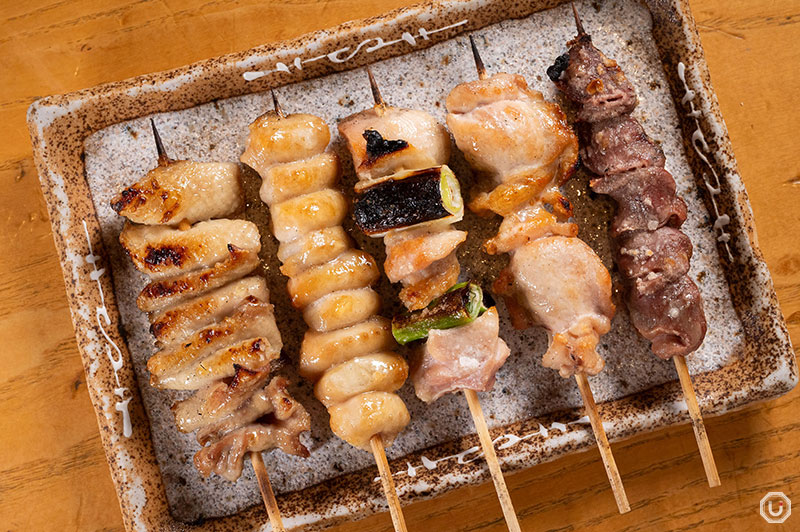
348,351
652,253
393,151
525,149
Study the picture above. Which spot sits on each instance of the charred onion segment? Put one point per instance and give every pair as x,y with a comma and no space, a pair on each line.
408,199
461,305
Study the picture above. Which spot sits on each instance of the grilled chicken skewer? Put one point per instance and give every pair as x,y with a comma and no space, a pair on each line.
211,317
349,350
408,195
652,253
526,151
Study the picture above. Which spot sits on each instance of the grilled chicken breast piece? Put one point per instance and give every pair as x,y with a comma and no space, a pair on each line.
386,141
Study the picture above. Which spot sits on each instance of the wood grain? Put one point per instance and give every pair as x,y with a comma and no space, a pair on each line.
53,474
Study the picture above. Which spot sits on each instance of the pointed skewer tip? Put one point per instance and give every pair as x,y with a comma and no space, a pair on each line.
581,31
163,158
477,57
276,104
376,91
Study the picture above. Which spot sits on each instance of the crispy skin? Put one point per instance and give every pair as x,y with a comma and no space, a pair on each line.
176,323
252,318
161,251
182,191
174,290
279,430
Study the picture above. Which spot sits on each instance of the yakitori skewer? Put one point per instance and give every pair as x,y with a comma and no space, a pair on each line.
652,253
408,195
348,350
211,318
523,147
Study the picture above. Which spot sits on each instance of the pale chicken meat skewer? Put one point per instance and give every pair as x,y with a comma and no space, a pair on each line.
348,352
407,195
525,151
211,317
652,253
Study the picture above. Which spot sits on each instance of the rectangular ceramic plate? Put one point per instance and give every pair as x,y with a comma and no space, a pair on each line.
89,144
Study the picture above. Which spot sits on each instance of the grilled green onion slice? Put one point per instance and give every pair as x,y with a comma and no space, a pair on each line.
407,199
460,305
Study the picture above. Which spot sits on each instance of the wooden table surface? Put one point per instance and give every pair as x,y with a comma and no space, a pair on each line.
53,473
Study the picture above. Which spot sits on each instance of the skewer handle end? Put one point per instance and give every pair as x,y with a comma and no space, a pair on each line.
700,434
378,451
602,443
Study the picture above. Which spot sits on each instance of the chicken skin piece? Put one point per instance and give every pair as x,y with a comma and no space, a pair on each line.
347,350
161,251
182,191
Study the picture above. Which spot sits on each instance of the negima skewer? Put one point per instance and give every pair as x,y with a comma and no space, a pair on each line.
408,196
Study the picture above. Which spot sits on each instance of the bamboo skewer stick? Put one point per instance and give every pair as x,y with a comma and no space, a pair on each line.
602,443
697,422
270,503
399,522
491,459
472,397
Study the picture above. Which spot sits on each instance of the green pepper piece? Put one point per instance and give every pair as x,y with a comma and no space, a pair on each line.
460,305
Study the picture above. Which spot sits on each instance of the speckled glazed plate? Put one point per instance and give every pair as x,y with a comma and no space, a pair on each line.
90,143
